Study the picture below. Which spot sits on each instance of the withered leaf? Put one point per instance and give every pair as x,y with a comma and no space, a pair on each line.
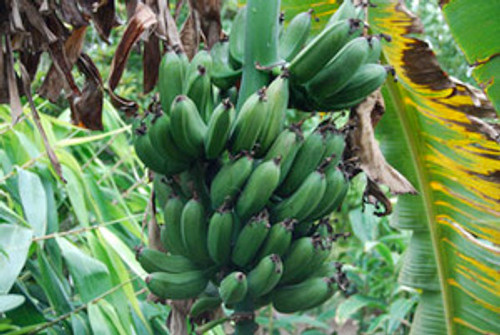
71,14
36,117
143,19
209,16
366,148
54,82
129,107
14,99
86,110
151,59
190,35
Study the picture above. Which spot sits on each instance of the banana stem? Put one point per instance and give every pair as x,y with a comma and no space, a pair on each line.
244,315
261,45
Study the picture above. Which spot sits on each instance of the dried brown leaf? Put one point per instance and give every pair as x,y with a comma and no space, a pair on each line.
209,16
173,37
54,81
366,148
14,99
86,110
129,107
36,117
71,14
143,19
190,35
151,59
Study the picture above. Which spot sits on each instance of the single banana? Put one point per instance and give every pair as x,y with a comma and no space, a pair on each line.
336,187
265,276
230,179
344,12
233,288
194,231
278,240
306,295
286,146
170,235
295,35
250,240
375,49
303,201
162,139
249,122
219,127
258,189
220,232
300,254
156,261
277,95
188,127
307,159
170,79
334,144
177,286
199,90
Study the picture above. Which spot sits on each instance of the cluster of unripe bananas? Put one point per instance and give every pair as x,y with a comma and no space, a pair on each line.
246,200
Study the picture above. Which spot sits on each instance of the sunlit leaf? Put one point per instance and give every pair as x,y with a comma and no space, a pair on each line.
10,301
14,243
34,201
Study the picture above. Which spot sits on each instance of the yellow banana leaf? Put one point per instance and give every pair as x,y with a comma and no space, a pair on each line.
435,134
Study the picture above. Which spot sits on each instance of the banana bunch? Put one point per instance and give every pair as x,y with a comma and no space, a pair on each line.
246,196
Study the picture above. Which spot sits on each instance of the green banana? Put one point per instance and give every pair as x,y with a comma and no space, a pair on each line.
367,79
344,12
188,127
170,79
258,189
219,127
201,58
170,234
336,187
203,305
177,286
319,51
250,239
278,240
220,232
286,146
303,201
156,261
305,295
249,122
194,231
162,190
334,144
199,90
233,288
300,254
310,259
237,39
229,180
307,159
375,49
336,74
162,139
295,36
223,75
265,276
277,95
147,153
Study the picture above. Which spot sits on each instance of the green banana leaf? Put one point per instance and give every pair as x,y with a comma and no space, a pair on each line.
474,25
434,133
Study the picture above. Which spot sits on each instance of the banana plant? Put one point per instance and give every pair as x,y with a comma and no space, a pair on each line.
434,132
